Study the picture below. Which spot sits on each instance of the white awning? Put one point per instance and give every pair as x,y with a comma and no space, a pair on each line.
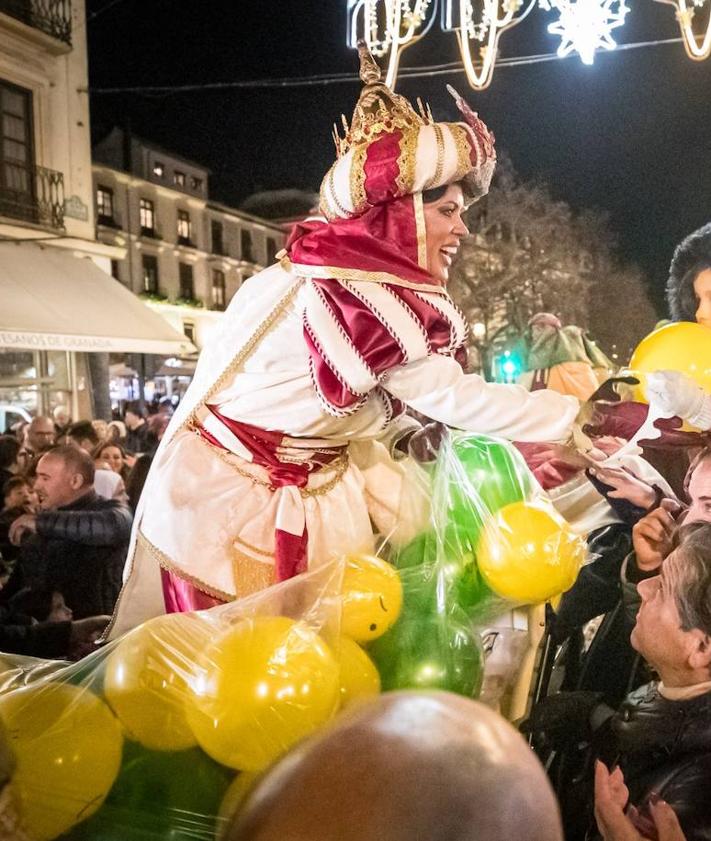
53,300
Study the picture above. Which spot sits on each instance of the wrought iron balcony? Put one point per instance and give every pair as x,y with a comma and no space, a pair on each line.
33,194
53,17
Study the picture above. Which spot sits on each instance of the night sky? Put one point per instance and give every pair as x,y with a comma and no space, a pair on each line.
630,135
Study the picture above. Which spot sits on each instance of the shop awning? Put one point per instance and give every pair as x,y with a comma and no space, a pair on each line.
51,299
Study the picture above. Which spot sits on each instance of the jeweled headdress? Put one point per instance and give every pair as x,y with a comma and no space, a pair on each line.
390,150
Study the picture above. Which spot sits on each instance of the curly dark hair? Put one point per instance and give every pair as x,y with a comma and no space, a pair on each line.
692,255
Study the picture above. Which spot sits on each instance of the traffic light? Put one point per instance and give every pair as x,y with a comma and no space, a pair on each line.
507,367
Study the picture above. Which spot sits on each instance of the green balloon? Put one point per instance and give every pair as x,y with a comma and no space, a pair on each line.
430,651
490,474
469,590
159,796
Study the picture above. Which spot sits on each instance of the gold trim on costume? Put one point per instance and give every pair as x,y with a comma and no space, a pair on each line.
255,549
437,177
463,144
251,575
421,232
170,566
336,273
407,160
337,466
323,203
357,179
263,328
334,195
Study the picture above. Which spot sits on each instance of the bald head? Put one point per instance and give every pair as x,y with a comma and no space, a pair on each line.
408,766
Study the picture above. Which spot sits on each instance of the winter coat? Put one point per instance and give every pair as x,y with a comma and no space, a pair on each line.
78,550
664,747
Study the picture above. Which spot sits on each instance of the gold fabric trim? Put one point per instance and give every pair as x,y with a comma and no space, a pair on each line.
170,566
337,273
437,177
334,195
421,233
463,144
255,549
337,466
323,204
251,576
407,160
357,179
246,350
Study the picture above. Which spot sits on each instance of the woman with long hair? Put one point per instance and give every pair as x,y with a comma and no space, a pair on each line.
279,455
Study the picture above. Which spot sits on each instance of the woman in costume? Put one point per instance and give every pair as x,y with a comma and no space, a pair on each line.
279,456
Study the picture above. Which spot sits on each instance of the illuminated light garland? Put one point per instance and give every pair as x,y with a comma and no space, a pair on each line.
585,26
484,22
698,47
388,27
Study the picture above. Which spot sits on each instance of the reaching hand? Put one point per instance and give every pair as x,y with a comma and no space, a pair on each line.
24,524
677,394
625,486
424,445
84,634
611,797
652,535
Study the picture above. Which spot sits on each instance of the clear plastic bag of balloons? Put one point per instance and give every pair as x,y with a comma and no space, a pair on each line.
492,542
159,734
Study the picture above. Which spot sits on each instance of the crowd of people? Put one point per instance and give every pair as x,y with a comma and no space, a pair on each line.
302,406
69,490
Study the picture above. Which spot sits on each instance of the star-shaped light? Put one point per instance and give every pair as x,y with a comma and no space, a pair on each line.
584,26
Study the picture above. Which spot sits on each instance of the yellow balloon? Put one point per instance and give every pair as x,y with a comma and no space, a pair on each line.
527,553
359,677
372,597
267,683
147,676
68,746
683,346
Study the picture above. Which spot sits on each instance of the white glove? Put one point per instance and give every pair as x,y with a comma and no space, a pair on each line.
676,394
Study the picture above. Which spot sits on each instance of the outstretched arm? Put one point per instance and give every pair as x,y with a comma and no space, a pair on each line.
437,387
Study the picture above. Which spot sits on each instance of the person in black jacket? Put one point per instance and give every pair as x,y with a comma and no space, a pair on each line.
661,735
77,543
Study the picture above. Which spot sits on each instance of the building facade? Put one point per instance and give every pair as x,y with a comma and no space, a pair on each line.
185,254
46,191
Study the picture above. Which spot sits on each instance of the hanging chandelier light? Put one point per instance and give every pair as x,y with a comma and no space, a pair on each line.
479,24
697,45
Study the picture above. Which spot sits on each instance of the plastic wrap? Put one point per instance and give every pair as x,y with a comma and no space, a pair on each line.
159,734
492,542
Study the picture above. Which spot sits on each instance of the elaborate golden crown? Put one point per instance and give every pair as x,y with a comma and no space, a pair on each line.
378,110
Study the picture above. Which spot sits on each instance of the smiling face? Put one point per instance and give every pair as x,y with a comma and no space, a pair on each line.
444,228
56,483
702,289
112,456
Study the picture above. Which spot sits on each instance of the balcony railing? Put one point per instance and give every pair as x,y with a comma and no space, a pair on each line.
53,17
38,196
